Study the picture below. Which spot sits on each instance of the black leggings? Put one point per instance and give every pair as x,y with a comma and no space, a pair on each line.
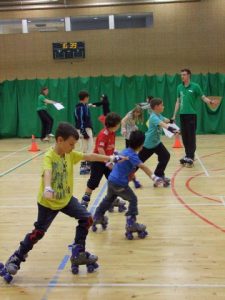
47,123
163,157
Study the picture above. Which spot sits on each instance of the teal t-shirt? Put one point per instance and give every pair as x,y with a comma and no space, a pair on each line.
153,134
188,96
41,103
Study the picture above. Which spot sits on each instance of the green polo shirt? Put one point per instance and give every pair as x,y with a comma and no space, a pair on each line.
41,103
188,96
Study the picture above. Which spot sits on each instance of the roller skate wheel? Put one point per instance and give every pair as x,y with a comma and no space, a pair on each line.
111,210
2,271
8,278
94,228
90,268
142,234
129,235
166,184
75,270
95,265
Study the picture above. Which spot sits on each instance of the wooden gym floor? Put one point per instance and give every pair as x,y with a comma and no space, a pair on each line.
182,258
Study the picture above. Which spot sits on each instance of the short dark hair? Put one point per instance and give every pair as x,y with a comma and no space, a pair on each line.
186,70
112,119
82,95
65,130
155,101
136,139
44,89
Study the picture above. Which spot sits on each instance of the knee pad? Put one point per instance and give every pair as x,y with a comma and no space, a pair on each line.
89,222
36,235
86,223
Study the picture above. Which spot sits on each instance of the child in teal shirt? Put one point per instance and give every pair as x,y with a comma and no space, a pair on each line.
152,143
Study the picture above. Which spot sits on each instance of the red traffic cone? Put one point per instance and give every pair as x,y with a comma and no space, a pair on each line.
177,142
34,146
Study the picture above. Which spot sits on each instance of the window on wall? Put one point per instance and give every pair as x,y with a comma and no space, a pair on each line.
89,23
10,26
141,20
46,25
133,20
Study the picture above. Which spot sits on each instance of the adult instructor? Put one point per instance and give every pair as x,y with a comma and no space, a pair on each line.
188,94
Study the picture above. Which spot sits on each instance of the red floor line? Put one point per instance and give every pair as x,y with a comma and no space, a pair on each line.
187,184
180,199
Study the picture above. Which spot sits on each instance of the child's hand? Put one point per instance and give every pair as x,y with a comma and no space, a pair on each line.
115,158
48,193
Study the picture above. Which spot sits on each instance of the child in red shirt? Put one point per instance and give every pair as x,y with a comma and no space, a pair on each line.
104,144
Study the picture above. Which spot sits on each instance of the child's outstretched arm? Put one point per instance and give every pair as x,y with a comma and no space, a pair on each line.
103,158
48,101
169,127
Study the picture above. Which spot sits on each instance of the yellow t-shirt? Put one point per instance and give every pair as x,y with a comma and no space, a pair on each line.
62,178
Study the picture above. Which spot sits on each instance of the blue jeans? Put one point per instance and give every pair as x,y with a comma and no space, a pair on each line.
115,191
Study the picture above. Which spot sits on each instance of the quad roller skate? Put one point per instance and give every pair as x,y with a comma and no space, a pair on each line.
187,162
85,200
120,203
84,170
166,181
161,181
11,267
81,257
132,226
102,220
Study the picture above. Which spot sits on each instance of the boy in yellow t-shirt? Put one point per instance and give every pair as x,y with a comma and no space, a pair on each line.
55,195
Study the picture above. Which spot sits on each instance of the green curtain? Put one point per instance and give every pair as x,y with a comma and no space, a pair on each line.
18,100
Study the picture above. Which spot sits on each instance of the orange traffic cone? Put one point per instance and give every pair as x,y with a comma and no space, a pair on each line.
34,146
177,142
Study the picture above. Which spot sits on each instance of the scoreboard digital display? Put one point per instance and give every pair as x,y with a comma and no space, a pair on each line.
68,50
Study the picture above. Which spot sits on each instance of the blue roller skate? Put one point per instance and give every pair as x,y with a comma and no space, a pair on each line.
120,203
85,200
132,226
5,274
81,257
11,267
102,220
84,170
